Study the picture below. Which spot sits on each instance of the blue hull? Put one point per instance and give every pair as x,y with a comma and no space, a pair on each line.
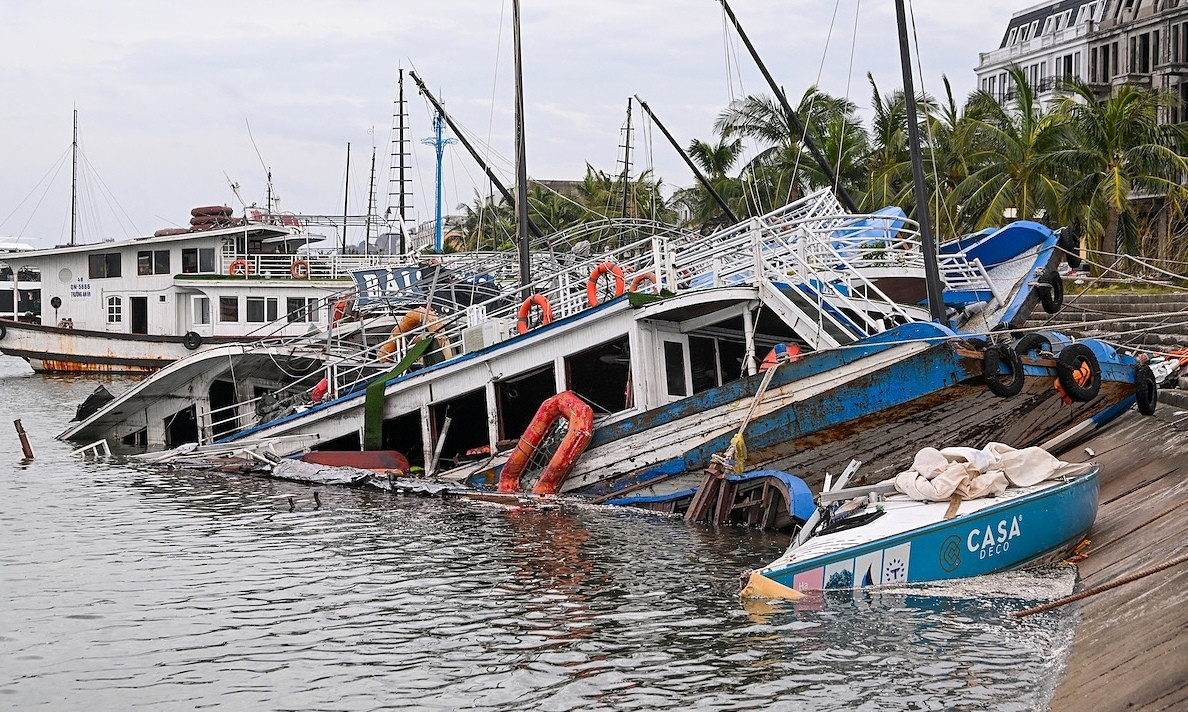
998,538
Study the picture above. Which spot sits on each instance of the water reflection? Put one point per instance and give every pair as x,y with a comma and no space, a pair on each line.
128,588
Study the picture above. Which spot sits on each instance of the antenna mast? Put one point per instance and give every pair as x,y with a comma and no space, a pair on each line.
399,167
627,159
346,194
74,182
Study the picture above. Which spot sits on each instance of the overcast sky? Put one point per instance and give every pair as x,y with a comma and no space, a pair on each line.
178,100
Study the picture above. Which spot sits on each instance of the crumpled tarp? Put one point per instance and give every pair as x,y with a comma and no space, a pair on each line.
936,475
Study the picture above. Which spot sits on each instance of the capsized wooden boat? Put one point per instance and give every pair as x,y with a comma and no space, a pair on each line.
888,537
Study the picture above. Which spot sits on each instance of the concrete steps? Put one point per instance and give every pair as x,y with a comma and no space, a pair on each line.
1156,320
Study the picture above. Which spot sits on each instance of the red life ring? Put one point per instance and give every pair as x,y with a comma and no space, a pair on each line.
546,312
239,267
565,404
599,272
299,269
319,391
649,277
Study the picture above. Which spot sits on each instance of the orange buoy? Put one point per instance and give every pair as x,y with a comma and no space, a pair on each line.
539,301
640,279
342,309
421,316
565,404
299,269
598,273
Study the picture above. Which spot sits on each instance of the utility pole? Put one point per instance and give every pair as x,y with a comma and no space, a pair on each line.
438,142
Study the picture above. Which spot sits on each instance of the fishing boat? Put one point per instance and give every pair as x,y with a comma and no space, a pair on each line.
892,533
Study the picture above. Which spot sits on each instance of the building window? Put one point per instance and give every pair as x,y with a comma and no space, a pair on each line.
202,310
229,309
1013,37
104,265
115,310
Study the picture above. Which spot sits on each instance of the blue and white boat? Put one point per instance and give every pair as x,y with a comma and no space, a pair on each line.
895,539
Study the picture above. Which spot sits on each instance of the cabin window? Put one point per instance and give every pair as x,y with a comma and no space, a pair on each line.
201,310
149,262
115,310
714,361
270,305
104,265
297,309
519,397
198,260
255,309
601,376
229,309
674,368
465,437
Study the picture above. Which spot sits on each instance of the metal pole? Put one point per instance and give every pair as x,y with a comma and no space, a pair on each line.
689,162
793,119
25,447
627,159
403,214
521,167
346,193
936,305
73,183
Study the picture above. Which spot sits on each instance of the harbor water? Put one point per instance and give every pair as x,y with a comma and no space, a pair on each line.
130,588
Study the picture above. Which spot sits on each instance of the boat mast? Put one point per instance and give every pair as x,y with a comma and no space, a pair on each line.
346,192
936,305
627,158
473,153
521,167
400,131
370,205
74,182
793,119
689,162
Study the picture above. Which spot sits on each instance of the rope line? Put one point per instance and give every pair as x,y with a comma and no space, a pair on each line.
1099,589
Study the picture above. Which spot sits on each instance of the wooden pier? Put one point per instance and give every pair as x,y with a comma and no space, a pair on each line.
1130,650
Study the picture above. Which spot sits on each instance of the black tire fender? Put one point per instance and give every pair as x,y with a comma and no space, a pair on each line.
1146,390
1070,245
1068,362
3,331
192,340
992,360
1031,342
1051,297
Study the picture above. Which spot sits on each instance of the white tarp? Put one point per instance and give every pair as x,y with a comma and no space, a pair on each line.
936,475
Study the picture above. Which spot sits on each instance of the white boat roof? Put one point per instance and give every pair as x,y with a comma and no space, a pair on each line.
12,244
275,231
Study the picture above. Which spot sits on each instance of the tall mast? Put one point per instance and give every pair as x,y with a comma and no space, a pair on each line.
346,193
402,203
627,158
370,205
793,119
689,162
438,142
936,305
511,200
74,182
521,167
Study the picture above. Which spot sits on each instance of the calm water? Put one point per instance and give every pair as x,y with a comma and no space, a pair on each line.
125,589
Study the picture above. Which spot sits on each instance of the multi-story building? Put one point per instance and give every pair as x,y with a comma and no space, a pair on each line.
1049,41
1145,43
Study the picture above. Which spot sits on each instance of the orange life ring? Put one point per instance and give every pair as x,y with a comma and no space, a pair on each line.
546,312
421,316
599,272
342,308
565,404
649,277
299,269
239,268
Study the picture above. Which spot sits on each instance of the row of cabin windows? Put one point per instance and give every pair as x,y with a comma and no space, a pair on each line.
195,260
257,310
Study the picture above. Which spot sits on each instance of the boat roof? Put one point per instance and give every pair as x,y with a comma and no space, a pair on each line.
254,229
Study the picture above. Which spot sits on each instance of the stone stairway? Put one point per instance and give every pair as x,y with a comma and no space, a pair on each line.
1137,319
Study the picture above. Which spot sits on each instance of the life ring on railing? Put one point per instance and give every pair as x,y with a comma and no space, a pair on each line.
565,404
640,279
319,391
342,309
239,267
992,358
598,273
192,340
415,318
539,301
1078,374
299,269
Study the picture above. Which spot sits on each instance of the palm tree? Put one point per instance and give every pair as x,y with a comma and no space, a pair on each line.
888,165
1015,162
716,161
1120,150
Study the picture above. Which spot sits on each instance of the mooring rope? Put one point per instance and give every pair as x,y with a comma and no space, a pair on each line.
1098,589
